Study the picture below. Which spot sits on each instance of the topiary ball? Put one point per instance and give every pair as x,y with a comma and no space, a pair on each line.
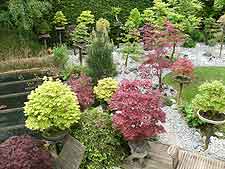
52,105
105,88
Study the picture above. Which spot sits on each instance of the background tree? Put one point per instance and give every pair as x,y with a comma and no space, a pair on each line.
25,13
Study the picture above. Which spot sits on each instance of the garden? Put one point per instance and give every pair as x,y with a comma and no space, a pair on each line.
112,84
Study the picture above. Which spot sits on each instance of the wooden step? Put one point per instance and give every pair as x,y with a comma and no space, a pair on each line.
25,74
19,86
12,117
152,164
11,101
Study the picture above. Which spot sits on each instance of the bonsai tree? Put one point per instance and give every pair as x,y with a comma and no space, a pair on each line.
52,107
105,88
81,34
44,30
60,22
138,113
24,152
59,19
82,87
210,106
133,50
116,26
183,70
221,22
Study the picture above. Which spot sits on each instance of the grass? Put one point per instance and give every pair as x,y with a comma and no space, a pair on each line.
12,46
201,75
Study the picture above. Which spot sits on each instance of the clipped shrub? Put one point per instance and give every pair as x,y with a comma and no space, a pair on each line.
51,106
104,146
60,19
24,152
100,61
73,70
105,88
82,87
138,100
183,66
211,98
86,18
61,55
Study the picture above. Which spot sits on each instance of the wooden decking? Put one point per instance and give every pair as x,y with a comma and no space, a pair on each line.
160,159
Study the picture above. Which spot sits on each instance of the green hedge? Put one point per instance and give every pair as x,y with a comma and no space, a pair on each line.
101,8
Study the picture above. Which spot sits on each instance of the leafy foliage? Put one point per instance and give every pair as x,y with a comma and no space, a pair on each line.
211,97
82,87
80,34
25,13
51,105
183,66
105,88
134,21
138,110
191,116
60,19
86,17
100,61
61,55
104,146
156,41
24,152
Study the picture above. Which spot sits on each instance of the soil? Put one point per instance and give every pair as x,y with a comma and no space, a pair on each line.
208,115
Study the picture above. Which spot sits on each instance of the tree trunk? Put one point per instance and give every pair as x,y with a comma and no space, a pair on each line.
60,37
180,93
80,56
160,80
173,51
126,61
209,132
221,45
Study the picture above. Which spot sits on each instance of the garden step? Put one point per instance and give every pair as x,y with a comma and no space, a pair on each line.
24,74
19,86
11,117
152,164
10,101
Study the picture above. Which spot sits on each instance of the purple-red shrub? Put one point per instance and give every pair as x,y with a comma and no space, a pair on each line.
24,152
183,66
82,86
138,110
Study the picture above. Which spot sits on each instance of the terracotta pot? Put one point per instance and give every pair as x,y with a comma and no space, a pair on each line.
208,120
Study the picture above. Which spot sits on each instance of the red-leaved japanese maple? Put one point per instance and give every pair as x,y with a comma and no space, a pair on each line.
82,86
183,70
174,37
138,110
183,66
24,152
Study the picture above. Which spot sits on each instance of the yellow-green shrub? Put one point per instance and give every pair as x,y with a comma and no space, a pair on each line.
52,105
105,88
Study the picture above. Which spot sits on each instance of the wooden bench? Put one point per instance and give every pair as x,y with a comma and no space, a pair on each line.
188,160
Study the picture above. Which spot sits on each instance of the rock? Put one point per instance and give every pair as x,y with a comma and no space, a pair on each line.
207,54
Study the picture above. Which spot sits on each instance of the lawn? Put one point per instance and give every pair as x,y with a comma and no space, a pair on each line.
201,74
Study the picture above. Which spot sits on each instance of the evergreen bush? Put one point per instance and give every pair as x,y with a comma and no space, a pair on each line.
100,61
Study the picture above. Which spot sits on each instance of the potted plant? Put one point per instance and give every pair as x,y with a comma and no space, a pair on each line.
138,114
60,22
210,102
210,106
52,108
44,30
183,70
